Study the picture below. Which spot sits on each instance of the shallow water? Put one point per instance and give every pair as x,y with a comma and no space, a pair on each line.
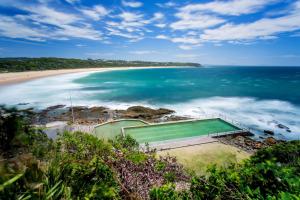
259,97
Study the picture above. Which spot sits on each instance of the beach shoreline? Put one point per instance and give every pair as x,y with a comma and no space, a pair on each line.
11,78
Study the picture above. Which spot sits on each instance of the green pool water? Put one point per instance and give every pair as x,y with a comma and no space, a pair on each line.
169,131
111,129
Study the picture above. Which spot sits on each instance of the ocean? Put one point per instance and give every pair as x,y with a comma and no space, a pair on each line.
257,97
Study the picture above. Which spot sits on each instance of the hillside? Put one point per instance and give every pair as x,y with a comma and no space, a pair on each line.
34,64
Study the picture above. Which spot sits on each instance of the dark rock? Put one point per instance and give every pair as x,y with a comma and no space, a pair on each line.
269,132
141,109
242,142
144,112
22,104
258,145
282,126
54,107
270,141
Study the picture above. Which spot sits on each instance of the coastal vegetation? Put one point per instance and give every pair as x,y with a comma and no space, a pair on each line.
34,64
80,166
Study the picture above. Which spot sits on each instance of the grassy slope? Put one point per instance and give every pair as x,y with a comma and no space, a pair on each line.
198,158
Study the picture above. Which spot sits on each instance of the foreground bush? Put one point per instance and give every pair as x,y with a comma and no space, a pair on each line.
76,170
272,173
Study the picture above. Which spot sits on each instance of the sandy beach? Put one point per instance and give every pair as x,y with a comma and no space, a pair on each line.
18,77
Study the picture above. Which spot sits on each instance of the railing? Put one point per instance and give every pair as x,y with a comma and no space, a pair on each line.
227,119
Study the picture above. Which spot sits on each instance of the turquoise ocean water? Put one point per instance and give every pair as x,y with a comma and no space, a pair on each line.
259,97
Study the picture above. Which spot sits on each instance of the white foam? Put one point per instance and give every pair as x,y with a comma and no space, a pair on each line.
42,92
258,114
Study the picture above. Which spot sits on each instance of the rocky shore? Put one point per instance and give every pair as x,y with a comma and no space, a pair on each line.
95,115
246,143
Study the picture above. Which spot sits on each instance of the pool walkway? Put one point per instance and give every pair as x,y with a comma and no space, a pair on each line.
178,143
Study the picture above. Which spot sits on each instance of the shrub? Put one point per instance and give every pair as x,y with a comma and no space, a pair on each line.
127,142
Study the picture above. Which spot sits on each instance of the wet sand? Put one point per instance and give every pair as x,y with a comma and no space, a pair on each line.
18,77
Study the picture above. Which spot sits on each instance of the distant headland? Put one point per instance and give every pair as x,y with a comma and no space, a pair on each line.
21,64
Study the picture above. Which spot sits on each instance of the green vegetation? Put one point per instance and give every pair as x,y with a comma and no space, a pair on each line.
34,64
80,166
272,173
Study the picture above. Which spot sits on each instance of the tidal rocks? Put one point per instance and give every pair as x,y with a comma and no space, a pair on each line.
144,112
287,129
269,132
99,114
246,143
22,104
54,107
270,141
282,126
242,142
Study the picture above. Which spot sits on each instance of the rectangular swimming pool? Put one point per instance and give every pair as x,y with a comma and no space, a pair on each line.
176,130
110,130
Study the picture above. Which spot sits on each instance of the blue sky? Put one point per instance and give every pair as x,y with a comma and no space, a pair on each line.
239,32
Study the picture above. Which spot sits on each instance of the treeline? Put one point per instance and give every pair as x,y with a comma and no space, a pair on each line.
34,64
80,166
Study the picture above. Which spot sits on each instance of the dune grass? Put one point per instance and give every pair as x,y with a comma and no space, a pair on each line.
198,158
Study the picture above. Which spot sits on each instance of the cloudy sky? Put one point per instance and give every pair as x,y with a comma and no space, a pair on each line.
239,32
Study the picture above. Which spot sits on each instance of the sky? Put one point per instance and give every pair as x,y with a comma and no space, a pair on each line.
219,32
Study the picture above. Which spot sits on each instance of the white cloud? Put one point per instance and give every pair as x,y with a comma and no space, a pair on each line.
166,5
72,1
85,32
158,16
160,25
43,23
203,15
265,28
195,21
231,7
133,4
46,15
163,37
131,26
130,17
9,27
96,13
80,45
185,47
186,40
132,37
143,52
